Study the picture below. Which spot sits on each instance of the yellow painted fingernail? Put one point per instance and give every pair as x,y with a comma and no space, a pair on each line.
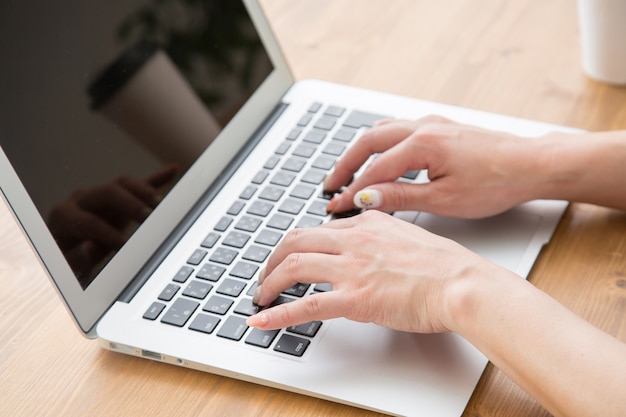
368,199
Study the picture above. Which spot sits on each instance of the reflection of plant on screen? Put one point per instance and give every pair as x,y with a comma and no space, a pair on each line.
211,42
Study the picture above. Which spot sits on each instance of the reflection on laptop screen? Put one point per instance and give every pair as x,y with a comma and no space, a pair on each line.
109,101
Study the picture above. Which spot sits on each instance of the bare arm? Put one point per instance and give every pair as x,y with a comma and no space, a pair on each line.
569,366
474,172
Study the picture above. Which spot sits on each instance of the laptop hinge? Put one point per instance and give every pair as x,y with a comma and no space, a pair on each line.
155,260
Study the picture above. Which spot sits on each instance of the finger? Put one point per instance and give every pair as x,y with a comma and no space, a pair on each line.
387,167
306,268
375,140
397,196
314,239
321,306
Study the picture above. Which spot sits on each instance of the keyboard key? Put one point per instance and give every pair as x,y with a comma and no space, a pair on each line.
318,207
248,192
153,311
204,323
309,329
218,305
280,221
246,307
308,221
292,345
260,208
268,237
256,254
334,149
334,111
305,120
313,176
282,148
180,312
272,193
260,177
272,162
323,287
304,151
168,292
411,175
231,287
210,272
236,239
233,328
344,135
248,224
210,240
291,206
294,165
183,274
198,289
244,270
223,256
358,119
281,299
315,107
282,178
294,133
298,290
302,191
325,123
196,257
262,338
323,162
223,224
315,136
236,208
252,289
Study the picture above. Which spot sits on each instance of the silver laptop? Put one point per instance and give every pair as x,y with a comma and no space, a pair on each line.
103,105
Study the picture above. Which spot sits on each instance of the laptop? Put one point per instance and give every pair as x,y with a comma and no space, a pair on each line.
195,114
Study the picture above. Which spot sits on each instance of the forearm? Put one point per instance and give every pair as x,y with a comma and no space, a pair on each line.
568,365
589,168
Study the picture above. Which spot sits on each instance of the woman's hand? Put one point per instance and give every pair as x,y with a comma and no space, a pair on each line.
473,172
382,270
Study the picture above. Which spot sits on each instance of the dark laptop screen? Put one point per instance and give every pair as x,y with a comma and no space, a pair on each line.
106,104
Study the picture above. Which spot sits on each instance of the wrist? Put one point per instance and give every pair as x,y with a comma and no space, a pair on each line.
476,295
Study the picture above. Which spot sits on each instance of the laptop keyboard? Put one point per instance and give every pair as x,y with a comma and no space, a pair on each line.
212,291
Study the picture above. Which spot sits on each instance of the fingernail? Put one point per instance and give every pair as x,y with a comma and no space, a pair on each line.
256,296
368,199
261,277
332,204
258,320
325,180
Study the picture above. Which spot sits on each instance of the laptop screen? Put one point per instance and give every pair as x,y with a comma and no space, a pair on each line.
105,105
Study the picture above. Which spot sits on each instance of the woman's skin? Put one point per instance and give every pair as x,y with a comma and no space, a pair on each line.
432,284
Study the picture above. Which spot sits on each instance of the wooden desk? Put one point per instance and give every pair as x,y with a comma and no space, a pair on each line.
518,58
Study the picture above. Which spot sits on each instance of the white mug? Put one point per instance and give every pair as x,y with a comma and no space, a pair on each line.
602,25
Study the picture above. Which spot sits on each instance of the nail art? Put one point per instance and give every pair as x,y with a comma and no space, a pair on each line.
368,199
